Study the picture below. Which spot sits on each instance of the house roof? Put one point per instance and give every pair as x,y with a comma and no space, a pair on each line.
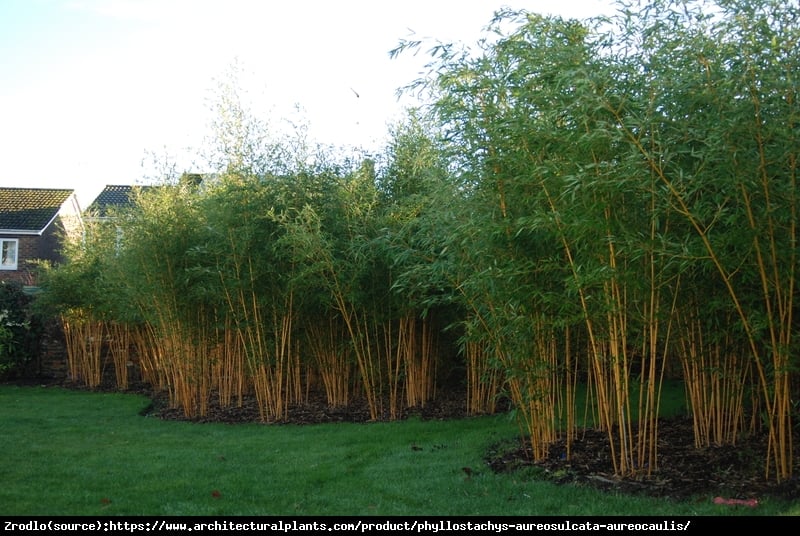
30,210
112,197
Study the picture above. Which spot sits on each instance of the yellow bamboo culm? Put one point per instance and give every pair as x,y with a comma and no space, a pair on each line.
419,361
148,356
716,379
332,358
262,384
533,410
84,344
228,370
369,368
73,347
287,357
262,374
184,354
535,390
484,380
272,356
119,343
619,364
297,377
394,348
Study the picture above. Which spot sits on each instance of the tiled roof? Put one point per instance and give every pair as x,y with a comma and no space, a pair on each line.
112,196
30,209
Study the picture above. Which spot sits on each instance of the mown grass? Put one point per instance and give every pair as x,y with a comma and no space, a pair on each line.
68,452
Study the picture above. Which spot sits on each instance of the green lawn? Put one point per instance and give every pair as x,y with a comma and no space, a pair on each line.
85,453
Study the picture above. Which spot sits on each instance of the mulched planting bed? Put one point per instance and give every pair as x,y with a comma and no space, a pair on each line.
732,474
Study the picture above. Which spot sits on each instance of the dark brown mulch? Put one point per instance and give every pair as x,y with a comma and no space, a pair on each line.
733,473
684,472
314,411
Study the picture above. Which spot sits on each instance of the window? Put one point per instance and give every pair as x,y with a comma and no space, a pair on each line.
8,253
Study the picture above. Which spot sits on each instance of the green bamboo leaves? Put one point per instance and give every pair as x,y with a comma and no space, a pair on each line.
624,177
585,208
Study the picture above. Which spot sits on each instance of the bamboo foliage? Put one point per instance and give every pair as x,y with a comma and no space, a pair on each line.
204,274
545,114
363,331
267,343
589,204
725,199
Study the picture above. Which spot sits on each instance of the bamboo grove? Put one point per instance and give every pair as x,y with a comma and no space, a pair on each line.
583,211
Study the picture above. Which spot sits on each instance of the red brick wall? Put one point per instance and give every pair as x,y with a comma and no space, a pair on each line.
30,248
26,249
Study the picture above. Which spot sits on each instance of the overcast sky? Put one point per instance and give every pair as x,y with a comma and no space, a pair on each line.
90,88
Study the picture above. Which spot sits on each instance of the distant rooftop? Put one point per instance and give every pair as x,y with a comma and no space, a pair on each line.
30,209
112,197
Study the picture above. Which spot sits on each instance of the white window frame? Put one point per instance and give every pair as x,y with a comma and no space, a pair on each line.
10,264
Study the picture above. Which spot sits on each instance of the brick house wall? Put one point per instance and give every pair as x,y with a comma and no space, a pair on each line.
28,249
32,247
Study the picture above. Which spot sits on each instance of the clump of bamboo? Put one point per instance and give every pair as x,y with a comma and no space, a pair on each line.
266,367
716,377
534,386
149,356
119,343
528,368
393,351
228,368
484,380
183,383
84,345
418,351
368,366
185,356
327,343
260,324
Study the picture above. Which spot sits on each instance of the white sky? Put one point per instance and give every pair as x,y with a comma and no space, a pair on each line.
89,88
